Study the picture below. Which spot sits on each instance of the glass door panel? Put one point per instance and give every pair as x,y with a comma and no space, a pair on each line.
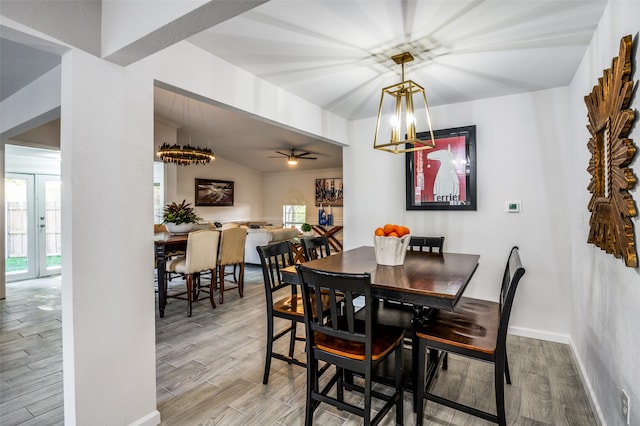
19,238
49,225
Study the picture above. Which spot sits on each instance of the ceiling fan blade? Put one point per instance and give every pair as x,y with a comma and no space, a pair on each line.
282,153
307,158
303,154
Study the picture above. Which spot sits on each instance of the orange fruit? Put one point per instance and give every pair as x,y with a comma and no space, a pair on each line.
379,232
392,234
402,230
388,228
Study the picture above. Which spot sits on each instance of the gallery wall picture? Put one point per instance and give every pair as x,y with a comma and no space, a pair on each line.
329,192
214,192
444,177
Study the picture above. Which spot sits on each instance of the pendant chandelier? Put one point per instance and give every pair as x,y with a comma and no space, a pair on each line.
403,108
187,154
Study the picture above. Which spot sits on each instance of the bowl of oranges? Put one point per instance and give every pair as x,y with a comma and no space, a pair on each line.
390,243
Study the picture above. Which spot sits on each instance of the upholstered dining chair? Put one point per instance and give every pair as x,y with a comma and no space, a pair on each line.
201,256
354,346
475,329
283,301
428,244
231,254
315,248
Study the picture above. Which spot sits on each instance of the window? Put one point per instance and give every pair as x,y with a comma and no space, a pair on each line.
158,191
294,215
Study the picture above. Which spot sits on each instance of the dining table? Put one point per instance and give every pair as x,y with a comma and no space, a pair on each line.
423,283
166,244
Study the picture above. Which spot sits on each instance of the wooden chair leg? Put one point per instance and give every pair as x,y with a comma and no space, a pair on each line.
241,279
267,361
189,293
221,269
499,384
420,380
212,288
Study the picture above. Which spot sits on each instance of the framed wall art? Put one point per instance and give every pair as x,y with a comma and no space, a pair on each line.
444,177
329,192
214,192
612,151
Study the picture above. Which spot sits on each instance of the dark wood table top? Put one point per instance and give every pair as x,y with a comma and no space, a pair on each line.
425,279
162,238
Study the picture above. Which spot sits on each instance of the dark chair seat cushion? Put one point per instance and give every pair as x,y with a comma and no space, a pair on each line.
385,339
472,325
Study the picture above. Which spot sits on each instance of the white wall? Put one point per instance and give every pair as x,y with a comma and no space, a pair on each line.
522,155
605,317
278,185
248,190
4,226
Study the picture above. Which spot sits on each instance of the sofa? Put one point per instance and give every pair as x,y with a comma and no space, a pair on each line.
262,237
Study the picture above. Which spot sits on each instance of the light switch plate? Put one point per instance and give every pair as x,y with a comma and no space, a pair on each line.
512,206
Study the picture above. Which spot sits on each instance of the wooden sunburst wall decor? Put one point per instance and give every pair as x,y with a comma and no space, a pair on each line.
610,120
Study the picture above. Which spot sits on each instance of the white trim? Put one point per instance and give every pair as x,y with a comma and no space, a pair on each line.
151,419
586,383
540,334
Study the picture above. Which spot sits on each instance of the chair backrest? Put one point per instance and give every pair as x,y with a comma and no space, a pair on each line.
159,227
232,246
202,251
315,248
426,244
340,320
513,272
273,258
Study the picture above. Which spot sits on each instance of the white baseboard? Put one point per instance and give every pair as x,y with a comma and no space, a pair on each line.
591,396
540,334
151,419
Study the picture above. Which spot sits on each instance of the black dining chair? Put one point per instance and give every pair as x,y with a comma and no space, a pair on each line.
476,329
283,301
315,248
336,337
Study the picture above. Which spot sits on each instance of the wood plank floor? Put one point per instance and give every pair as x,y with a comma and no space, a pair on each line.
210,366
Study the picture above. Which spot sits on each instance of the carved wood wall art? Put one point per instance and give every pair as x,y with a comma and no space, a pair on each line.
610,120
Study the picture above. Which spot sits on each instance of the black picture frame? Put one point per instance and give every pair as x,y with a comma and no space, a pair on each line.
211,192
430,186
329,192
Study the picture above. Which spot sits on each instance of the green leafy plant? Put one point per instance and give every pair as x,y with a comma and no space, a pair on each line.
305,227
179,213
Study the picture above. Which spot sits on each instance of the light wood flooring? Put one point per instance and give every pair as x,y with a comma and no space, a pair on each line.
210,366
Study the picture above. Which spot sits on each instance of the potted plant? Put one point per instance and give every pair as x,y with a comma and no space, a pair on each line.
179,218
306,229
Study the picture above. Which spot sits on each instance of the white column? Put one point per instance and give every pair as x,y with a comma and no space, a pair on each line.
107,279
4,226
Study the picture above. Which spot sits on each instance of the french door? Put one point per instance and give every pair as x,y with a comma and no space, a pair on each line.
33,231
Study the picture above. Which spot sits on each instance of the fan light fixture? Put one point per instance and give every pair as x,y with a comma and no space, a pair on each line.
187,154
292,161
403,108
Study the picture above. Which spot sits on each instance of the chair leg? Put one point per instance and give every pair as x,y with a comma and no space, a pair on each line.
189,293
212,288
420,380
240,279
499,383
399,386
367,398
267,361
221,269
292,341
311,386
506,368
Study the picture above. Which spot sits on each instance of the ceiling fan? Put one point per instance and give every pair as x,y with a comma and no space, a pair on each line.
292,157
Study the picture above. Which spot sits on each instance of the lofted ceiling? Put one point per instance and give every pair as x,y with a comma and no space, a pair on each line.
336,54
